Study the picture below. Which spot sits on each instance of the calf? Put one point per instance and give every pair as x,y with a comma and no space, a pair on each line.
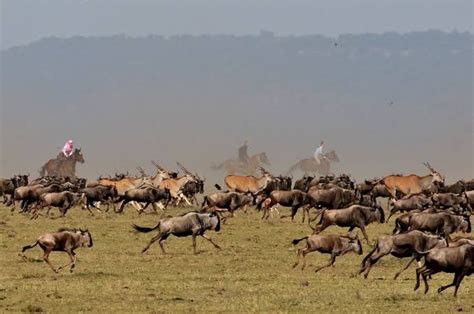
328,244
458,260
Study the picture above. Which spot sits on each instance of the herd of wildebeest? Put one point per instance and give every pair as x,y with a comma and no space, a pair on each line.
429,212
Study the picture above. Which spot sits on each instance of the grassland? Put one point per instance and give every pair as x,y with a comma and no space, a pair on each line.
252,272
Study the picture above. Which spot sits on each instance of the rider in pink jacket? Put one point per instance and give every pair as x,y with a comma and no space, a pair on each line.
67,149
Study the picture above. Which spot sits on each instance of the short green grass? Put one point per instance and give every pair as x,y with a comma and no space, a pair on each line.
251,273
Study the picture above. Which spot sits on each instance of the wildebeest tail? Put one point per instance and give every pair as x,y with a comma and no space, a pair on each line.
145,229
27,247
296,241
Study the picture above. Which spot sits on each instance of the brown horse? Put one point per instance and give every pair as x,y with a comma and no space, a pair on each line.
233,166
63,166
311,166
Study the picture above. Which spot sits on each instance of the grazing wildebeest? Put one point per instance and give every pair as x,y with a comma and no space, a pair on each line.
401,245
355,216
412,202
412,184
294,199
148,195
63,200
190,224
335,245
458,260
441,223
248,184
99,194
226,201
64,240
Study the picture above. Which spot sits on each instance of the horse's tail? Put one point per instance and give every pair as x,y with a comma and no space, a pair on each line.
293,168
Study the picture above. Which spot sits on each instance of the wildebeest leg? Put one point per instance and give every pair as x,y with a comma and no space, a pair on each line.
194,243
321,228
371,262
404,268
46,259
364,233
120,210
331,261
453,284
153,240
392,212
72,257
458,283
418,273
210,240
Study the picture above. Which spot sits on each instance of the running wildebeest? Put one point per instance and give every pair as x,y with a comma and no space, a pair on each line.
294,199
190,224
458,260
335,245
334,197
355,216
412,202
447,200
229,201
64,240
441,223
149,195
63,200
99,193
401,245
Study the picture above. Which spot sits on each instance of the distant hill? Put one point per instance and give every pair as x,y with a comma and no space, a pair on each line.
385,102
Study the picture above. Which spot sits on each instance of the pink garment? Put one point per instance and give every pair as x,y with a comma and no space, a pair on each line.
67,149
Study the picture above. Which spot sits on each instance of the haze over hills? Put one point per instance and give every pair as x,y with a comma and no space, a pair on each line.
386,103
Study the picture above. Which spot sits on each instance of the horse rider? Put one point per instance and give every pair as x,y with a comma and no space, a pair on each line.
67,149
318,154
243,155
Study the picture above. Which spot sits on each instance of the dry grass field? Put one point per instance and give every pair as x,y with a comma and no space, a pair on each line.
251,273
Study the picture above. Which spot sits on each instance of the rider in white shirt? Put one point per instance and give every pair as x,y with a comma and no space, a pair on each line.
318,154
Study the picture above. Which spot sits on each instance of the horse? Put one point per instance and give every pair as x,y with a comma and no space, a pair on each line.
234,166
63,166
311,166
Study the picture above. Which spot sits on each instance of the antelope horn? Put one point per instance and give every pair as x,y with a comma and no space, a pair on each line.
157,165
142,172
183,168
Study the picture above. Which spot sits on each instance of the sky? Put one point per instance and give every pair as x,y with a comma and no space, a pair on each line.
24,21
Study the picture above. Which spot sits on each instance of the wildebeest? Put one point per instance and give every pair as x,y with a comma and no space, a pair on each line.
355,216
334,197
63,200
294,199
457,188
411,202
458,260
412,184
230,201
64,240
447,200
99,194
401,245
335,245
303,183
31,193
441,223
191,188
190,224
248,184
470,198
380,190
8,186
148,195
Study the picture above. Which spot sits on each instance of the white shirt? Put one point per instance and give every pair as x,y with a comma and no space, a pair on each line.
319,151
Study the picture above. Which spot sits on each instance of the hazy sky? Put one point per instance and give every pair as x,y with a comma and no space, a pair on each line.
23,21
